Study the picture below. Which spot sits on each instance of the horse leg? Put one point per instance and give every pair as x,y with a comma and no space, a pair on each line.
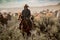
2,24
28,34
23,34
6,23
20,25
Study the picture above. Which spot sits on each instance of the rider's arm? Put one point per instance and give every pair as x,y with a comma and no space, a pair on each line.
29,13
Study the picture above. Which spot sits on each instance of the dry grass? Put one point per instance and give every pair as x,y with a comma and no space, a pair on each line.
50,32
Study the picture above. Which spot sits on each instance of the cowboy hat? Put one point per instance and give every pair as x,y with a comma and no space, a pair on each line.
26,5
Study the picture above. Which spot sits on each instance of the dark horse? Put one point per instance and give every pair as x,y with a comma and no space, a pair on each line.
26,26
3,20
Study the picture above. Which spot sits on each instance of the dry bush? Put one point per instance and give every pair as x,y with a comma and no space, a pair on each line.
49,25
6,34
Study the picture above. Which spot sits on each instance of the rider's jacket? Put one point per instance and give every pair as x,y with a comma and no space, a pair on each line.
26,13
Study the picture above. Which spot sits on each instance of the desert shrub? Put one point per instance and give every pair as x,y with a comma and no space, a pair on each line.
49,25
6,34
49,28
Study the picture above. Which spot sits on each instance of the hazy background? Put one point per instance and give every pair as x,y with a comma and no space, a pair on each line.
31,3
34,5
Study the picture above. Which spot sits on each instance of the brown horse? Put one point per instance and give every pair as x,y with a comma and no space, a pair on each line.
26,26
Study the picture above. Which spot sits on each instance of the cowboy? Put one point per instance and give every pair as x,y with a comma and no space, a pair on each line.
26,12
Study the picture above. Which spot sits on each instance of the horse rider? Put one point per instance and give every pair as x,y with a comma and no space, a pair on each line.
26,14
